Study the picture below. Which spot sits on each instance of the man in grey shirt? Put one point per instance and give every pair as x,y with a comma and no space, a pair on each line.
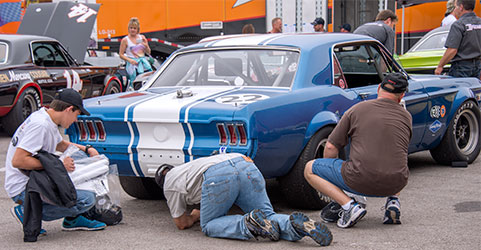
217,183
463,43
381,29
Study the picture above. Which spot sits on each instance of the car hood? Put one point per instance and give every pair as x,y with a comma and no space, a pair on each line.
179,104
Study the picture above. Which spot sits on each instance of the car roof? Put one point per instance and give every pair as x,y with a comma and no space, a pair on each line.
443,29
18,51
299,40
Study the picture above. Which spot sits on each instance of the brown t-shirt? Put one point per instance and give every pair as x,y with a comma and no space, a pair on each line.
379,131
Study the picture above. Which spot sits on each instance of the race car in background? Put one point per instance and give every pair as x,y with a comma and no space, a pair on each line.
33,68
275,98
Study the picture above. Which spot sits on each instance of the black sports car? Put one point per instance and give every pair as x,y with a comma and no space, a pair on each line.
33,68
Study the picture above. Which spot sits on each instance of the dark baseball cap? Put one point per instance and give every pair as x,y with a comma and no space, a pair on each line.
318,20
346,26
73,97
397,82
159,177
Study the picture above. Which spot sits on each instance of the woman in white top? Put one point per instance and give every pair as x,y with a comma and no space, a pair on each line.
133,49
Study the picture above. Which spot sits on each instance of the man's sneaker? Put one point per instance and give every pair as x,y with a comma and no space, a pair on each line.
330,213
82,223
259,225
350,217
307,227
392,214
17,213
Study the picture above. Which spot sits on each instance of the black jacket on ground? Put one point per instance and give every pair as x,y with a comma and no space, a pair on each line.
51,185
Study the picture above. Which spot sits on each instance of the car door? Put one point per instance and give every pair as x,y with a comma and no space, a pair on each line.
63,71
364,65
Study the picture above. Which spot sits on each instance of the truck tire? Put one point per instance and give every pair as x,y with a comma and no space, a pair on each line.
461,142
141,187
298,192
112,88
28,102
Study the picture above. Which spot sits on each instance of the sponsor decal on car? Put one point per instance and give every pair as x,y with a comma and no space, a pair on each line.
435,126
437,111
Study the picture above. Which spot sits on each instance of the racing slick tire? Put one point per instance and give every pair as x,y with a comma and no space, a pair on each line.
461,142
141,187
28,102
298,192
113,88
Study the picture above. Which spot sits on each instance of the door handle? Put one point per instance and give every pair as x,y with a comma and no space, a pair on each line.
364,95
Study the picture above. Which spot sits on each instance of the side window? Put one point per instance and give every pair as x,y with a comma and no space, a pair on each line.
339,79
3,52
363,64
48,55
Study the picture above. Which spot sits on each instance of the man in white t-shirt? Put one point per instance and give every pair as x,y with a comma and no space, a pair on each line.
40,132
449,17
220,181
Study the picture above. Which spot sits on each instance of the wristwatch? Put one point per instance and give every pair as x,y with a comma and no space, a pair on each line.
87,148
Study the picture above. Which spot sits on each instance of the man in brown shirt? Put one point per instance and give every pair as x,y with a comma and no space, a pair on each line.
379,132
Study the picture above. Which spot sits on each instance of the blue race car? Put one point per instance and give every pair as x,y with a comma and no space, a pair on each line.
275,98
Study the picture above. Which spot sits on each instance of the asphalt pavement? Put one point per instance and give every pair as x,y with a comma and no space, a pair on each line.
441,209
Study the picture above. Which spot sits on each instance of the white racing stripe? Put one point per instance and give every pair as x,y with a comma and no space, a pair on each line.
161,135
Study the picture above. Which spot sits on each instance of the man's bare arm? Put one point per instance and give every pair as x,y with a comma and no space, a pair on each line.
23,159
330,151
448,55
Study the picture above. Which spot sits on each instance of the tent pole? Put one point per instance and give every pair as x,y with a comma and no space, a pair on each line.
402,33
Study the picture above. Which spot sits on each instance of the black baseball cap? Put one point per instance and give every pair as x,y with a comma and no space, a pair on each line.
159,177
318,20
397,81
346,26
73,97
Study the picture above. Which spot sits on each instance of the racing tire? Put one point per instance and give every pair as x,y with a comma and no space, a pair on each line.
113,88
28,102
296,189
461,142
141,187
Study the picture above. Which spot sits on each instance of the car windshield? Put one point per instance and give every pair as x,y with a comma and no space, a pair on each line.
3,53
435,41
236,67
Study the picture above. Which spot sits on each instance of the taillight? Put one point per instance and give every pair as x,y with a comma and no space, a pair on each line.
232,134
222,134
82,131
242,134
101,130
91,129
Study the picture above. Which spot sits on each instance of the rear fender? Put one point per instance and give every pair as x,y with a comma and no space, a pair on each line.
322,119
108,80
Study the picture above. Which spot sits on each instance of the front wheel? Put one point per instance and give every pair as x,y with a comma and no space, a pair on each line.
28,102
462,137
297,190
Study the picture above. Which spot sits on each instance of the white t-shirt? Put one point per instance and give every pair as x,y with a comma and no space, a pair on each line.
37,132
448,20
183,184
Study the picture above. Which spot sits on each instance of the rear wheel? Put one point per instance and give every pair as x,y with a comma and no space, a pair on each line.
114,87
28,102
295,187
141,188
462,138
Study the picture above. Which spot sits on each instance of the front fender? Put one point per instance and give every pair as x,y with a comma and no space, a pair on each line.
108,80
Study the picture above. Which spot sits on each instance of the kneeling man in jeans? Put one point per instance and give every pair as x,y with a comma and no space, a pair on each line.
379,132
217,183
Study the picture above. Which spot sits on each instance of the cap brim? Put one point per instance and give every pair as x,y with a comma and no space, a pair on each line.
84,111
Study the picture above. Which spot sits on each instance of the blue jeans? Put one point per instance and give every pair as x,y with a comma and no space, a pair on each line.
329,169
85,201
237,182
465,68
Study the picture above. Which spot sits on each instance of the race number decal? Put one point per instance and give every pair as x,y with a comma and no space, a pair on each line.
240,99
82,12
73,81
